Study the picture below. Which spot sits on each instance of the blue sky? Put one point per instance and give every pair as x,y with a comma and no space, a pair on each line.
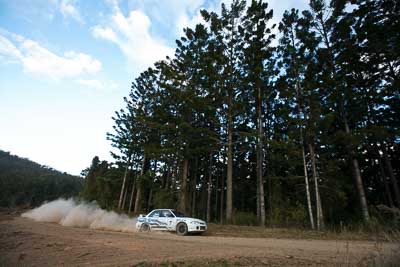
65,66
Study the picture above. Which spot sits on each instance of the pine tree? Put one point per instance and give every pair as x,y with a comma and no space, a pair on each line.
294,63
225,28
257,63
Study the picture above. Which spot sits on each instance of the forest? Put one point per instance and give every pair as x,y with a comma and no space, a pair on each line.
24,183
294,123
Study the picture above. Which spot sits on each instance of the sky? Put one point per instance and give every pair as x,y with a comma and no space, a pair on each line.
65,66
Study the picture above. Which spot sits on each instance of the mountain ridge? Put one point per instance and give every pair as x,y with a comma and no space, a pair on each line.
24,182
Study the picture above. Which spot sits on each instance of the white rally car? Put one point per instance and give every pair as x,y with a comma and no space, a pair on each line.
170,220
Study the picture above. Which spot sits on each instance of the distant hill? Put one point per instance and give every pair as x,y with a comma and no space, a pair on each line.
27,183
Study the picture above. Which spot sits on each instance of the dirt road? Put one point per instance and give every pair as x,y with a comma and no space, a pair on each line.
27,243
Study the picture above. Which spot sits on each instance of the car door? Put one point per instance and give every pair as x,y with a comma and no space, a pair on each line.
162,219
154,220
169,219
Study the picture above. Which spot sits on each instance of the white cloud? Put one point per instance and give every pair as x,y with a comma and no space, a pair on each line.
68,9
186,13
105,33
171,15
39,60
8,48
132,35
48,10
185,21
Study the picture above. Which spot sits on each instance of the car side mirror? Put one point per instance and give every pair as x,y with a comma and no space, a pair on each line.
141,215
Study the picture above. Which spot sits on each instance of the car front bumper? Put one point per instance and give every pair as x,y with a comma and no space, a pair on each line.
197,228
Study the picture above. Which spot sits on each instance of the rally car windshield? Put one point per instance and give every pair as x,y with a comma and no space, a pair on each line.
178,214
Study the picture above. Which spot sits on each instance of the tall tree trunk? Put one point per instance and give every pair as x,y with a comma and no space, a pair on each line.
260,179
360,189
202,205
258,200
269,177
216,198
183,190
308,195
124,200
164,177
121,195
357,177
393,179
320,215
167,179
193,209
138,199
175,172
230,161
139,188
300,112
221,206
132,194
149,200
208,217
310,212
385,183
266,174
194,184
354,161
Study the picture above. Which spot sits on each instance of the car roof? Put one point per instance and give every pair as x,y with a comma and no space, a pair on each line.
162,210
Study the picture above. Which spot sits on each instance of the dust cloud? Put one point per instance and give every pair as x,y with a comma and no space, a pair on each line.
68,212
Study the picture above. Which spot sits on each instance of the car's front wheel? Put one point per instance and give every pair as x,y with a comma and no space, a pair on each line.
145,228
181,229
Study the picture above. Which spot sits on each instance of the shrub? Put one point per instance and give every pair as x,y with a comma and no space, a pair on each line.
244,218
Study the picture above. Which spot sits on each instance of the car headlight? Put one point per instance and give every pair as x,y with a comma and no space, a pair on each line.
195,222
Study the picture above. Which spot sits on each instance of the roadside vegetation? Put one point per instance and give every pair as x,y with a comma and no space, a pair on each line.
361,233
292,125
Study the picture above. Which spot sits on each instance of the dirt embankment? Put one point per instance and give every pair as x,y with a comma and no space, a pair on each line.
28,243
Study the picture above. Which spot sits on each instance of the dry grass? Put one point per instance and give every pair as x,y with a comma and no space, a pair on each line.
382,256
291,233
386,258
